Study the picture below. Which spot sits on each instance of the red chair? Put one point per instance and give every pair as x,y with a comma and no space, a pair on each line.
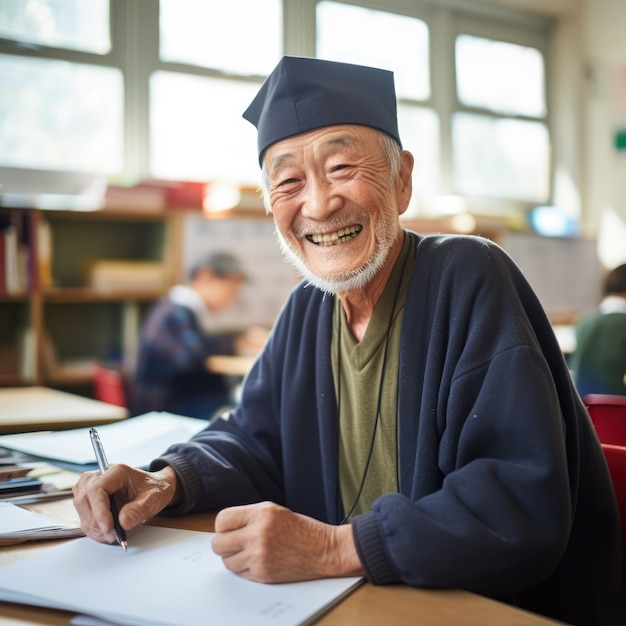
616,460
608,414
109,386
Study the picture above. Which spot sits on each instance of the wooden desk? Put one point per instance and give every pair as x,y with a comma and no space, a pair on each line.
230,365
24,409
369,605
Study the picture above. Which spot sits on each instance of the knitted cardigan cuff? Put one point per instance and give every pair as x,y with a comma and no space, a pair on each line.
188,478
371,550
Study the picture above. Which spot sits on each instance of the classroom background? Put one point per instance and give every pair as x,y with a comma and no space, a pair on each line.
124,157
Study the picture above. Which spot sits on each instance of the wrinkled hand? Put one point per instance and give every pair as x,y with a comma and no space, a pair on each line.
268,543
138,494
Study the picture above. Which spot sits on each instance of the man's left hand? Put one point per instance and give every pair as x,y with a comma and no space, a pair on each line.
269,543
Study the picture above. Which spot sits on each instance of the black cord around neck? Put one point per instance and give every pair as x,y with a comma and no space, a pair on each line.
380,389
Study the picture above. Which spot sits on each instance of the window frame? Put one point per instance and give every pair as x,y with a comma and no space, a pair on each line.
529,32
137,21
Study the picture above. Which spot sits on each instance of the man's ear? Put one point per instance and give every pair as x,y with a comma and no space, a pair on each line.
405,181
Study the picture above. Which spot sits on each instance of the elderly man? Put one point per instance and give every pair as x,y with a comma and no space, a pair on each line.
411,417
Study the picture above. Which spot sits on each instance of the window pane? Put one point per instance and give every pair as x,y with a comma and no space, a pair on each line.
59,115
502,77
419,132
500,158
72,24
395,42
238,36
197,131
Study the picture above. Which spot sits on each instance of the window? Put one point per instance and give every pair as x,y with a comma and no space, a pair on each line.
196,127
344,33
485,78
70,24
500,157
481,135
138,90
501,150
56,114
60,115
236,37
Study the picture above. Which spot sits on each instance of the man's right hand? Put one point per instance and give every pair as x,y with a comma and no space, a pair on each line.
138,494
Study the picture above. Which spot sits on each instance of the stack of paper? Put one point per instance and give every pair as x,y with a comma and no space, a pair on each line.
18,525
134,441
14,480
168,577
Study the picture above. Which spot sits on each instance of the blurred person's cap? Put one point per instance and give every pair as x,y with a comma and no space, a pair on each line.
222,265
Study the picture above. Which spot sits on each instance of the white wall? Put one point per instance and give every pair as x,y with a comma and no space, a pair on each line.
604,39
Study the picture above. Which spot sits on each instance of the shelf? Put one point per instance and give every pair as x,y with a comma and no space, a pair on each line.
12,380
109,214
15,297
87,294
59,315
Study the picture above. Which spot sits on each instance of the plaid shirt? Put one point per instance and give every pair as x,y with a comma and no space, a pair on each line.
171,374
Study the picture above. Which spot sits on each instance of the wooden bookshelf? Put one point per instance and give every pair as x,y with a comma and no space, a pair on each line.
54,313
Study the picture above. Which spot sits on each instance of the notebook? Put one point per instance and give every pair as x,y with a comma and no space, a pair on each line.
168,577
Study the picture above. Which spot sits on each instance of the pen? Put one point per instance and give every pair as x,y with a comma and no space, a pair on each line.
103,465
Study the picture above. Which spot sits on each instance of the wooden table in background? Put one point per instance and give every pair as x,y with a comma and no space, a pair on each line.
368,605
230,365
24,409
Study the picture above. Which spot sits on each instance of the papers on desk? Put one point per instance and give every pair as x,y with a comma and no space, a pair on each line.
135,441
18,525
168,577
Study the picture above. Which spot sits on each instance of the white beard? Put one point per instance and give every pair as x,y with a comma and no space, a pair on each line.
353,280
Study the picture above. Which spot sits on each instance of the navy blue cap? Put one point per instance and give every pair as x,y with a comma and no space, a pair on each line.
302,94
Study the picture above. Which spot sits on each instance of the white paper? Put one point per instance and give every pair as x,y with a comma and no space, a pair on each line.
16,519
168,577
134,441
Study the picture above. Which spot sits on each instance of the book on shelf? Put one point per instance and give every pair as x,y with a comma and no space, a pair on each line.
3,281
27,345
124,274
142,198
44,253
11,262
17,246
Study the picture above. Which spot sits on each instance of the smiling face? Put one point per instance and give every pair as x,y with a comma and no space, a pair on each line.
336,204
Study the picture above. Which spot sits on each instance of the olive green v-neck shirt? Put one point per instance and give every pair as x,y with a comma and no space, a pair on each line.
368,377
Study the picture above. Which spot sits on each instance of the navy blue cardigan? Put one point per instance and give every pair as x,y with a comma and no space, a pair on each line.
504,489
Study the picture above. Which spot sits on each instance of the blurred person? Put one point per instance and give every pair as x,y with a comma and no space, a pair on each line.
599,360
179,334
